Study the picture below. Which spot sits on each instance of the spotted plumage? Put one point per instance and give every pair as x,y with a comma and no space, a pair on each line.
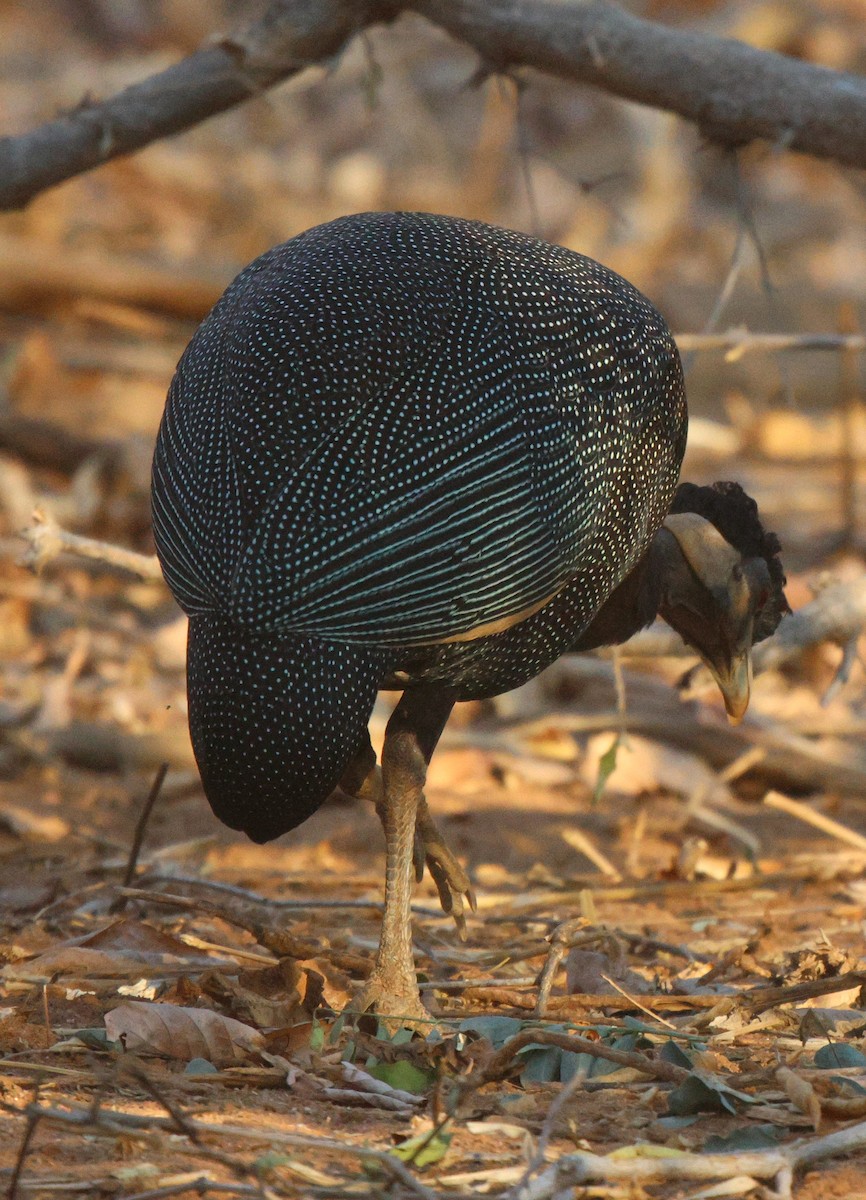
414,452
393,433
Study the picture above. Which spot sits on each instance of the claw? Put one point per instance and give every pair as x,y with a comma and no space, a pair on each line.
452,882
418,856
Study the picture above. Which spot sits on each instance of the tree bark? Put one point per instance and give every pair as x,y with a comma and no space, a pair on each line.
732,92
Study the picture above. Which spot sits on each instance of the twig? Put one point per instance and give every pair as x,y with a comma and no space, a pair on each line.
635,1003
567,936
461,985
537,1161
232,889
655,710
849,399
184,1124
850,654
693,888
778,1164
759,999
838,614
808,815
47,540
733,92
33,1119
113,1122
138,837
580,841
739,342
201,1186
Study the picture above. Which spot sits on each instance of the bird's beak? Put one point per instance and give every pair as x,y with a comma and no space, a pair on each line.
735,680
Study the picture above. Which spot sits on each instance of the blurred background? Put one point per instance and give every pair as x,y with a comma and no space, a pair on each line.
103,280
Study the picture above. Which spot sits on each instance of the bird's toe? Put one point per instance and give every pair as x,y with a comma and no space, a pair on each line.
394,1000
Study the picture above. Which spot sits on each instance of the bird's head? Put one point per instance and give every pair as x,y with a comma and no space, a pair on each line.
723,582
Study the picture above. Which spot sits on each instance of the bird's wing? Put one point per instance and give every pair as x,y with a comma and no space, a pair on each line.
417,519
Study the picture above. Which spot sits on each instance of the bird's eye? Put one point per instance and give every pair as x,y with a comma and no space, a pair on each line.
762,597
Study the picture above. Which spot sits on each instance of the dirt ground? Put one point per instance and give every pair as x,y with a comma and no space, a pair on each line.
679,936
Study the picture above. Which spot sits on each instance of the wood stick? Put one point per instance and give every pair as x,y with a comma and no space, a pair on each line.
817,820
732,92
47,540
36,273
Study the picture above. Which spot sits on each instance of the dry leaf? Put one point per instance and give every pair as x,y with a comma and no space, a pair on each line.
182,1033
79,962
125,949
646,766
801,1094
253,1004
26,824
589,971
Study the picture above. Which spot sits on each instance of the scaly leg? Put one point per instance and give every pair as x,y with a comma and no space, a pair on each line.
363,779
410,739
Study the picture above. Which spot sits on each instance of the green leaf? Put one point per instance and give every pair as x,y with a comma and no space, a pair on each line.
541,1064
96,1039
670,1052
317,1037
335,1030
572,1064
838,1055
269,1161
752,1137
849,1085
200,1066
403,1075
423,1150
606,767
701,1094
675,1124
496,1029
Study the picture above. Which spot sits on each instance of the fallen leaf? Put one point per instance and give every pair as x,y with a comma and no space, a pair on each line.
635,765
423,1150
801,1094
590,971
26,824
838,1055
182,1033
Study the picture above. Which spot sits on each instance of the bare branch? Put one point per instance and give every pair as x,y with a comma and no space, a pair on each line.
290,36
732,92
46,540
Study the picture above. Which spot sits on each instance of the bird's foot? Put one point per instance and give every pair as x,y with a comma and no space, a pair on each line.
451,880
395,1000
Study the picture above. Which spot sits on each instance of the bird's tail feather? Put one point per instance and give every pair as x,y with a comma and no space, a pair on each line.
274,720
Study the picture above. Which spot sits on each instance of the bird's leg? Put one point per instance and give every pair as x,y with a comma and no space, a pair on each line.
363,778
451,880
410,739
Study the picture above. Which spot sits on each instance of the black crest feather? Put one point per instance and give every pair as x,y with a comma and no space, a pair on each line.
735,514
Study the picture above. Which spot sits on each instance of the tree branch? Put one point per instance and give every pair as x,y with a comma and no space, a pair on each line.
732,92
292,35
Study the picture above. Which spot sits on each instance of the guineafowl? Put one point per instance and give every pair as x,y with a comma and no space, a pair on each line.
413,452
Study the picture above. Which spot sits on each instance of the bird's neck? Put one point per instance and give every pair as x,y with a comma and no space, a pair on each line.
631,606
